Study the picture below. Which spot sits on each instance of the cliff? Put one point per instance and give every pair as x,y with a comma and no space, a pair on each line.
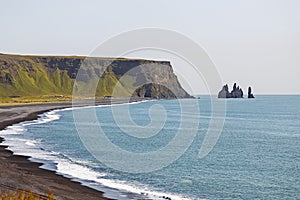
36,76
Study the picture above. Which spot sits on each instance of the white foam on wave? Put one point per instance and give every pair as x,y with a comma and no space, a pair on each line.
14,129
30,143
77,171
86,175
69,167
13,134
27,147
45,118
141,190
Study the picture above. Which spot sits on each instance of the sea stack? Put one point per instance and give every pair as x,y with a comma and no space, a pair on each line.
236,92
250,95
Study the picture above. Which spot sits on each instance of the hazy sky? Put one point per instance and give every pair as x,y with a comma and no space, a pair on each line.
252,42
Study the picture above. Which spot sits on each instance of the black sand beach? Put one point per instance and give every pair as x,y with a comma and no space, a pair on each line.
17,172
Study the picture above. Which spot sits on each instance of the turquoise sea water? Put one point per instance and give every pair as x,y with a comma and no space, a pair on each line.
256,157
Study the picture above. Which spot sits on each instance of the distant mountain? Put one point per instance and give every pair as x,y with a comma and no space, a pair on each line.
35,76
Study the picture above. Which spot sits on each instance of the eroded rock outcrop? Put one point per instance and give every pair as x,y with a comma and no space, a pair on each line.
154,91
250,95
236,92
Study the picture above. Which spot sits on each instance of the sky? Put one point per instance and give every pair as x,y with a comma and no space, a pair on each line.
251,42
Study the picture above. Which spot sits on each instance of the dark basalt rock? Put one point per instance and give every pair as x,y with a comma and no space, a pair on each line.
250,95
236,92
156,91
224,93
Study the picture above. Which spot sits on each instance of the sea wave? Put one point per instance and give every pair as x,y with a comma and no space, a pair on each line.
78,170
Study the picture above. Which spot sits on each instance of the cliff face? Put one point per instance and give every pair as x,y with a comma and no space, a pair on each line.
55,75
155,91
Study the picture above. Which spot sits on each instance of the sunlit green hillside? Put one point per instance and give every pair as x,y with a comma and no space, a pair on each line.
53,77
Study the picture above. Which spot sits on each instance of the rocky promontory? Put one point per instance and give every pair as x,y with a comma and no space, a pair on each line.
27,76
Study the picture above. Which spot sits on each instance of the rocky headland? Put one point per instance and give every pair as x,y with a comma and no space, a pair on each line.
23,76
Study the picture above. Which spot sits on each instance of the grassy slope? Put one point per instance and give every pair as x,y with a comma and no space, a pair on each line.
51,78
36,80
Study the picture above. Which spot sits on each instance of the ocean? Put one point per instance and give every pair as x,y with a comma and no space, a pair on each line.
256,156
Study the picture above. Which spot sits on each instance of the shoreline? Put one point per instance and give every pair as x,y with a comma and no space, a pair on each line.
19,173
